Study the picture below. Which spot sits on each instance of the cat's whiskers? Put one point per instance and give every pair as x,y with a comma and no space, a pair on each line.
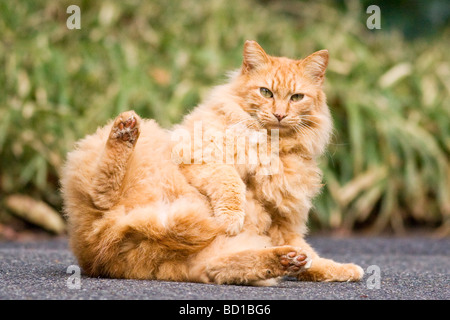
248,123
304,129
238,123
296,129
261,124
257,123
309,120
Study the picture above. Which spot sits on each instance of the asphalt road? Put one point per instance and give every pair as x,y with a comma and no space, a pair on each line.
409,268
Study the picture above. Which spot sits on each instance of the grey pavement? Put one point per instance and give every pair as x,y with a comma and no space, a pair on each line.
409,268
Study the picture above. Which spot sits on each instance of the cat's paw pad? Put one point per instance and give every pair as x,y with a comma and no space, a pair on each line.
126,127
294,261
233,222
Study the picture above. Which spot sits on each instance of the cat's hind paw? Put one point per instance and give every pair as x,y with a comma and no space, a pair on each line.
126,128
294,261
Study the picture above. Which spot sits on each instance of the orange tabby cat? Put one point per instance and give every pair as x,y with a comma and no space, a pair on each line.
141,203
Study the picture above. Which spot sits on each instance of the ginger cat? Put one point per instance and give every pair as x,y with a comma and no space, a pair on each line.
138,207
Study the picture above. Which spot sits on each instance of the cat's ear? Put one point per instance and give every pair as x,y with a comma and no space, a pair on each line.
254,56
315,65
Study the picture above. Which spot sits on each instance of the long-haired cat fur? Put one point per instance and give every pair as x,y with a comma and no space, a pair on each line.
134,211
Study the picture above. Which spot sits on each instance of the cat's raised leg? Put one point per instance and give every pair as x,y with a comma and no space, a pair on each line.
112,164
255,266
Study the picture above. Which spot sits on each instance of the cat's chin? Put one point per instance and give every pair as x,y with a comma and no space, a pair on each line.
282,128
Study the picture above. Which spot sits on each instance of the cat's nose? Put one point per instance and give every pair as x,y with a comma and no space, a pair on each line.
279,116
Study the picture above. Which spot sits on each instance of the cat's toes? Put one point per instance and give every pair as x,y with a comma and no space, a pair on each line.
126,127
294,261
346,272
353,271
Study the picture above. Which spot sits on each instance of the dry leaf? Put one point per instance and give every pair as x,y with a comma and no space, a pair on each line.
36,212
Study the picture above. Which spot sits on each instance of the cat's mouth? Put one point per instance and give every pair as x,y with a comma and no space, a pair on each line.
284,125
280,125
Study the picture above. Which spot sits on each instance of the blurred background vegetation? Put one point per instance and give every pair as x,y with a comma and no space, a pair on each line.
387,168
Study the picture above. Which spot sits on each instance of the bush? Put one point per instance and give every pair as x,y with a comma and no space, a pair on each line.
388,164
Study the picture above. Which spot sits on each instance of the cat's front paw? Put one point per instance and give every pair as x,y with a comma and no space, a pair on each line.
233,222
328,270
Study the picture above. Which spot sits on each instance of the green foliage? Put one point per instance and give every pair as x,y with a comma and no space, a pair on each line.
389,161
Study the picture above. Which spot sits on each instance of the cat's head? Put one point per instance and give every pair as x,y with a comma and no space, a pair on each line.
285,94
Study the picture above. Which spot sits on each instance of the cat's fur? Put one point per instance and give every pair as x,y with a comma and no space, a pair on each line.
134,212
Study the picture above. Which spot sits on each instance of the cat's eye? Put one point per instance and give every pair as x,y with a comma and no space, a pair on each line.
297,97
266,93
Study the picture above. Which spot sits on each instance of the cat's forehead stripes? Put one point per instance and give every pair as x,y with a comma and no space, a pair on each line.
284,79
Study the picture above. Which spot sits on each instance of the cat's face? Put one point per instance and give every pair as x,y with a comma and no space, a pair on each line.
280,93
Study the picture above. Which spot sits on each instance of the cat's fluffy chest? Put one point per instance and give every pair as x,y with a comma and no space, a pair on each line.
277,173
291,189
